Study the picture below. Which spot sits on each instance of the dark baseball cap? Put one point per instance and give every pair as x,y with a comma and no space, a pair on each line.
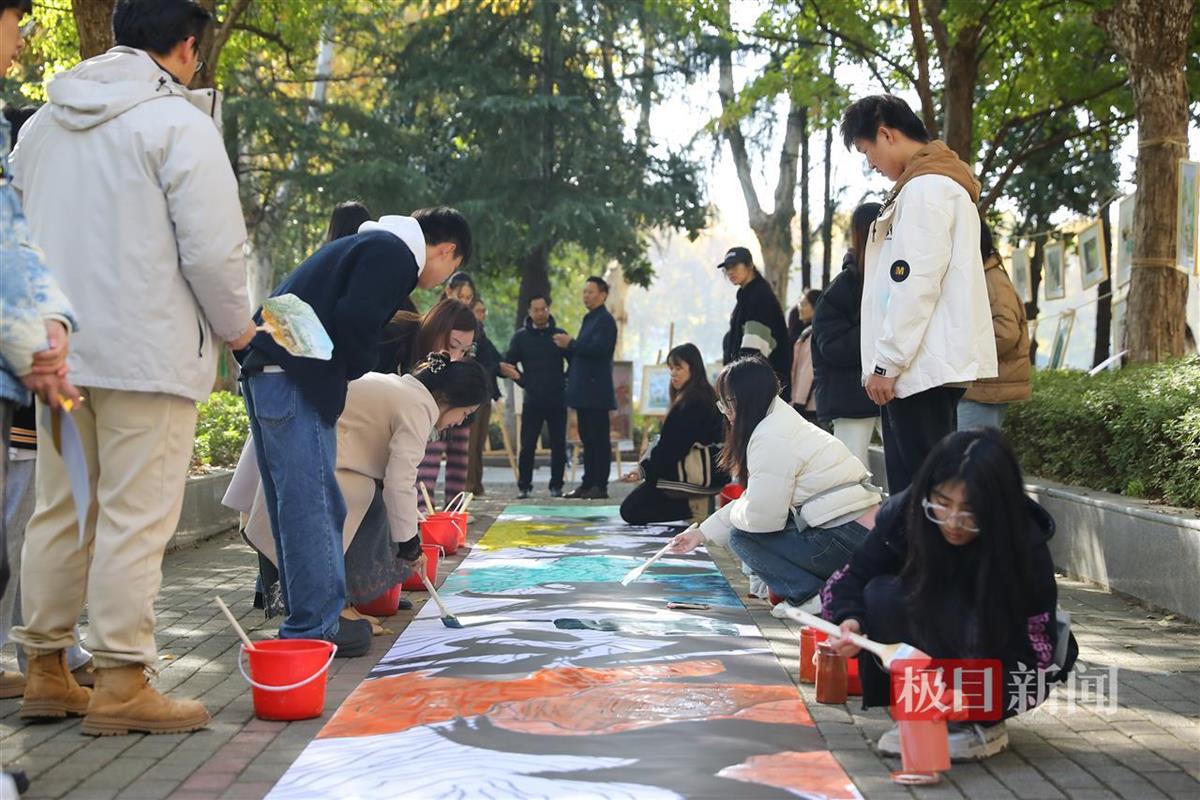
735,256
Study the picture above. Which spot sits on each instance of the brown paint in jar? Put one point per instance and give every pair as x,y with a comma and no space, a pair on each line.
831,676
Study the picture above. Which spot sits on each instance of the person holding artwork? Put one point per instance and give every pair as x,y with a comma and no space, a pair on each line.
984,404
757,324
836,347
807,504
381,438
590,388
542,377
958,566
926,324
693,419
355,285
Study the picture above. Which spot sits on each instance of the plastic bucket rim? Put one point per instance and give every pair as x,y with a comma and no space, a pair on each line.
291,687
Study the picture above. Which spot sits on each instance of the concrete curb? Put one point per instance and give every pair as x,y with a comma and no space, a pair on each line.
203,516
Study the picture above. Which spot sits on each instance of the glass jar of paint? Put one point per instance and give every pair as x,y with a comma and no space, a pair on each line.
831,675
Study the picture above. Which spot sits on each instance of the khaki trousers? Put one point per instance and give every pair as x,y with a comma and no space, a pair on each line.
137,446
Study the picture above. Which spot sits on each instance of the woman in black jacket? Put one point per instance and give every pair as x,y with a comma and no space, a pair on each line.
958,566
836,352
693,418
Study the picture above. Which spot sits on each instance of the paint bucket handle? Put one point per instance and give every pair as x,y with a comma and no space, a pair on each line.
264,687
458,498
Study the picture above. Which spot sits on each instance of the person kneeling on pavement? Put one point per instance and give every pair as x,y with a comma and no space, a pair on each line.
958,566
808,503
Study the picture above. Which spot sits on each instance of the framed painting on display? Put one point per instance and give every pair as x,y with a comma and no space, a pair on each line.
1020,274
1124,267
1054,287
656,390
1093,265
1062,338
1187,249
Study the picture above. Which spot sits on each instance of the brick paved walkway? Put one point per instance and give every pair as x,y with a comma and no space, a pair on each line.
1148,748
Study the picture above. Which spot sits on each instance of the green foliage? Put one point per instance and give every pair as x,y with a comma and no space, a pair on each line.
220,431
1134,432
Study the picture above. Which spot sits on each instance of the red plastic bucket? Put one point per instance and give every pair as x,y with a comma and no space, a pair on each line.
853,683
288,677
809,639
441,529
386,605
432,554
731,492
461,520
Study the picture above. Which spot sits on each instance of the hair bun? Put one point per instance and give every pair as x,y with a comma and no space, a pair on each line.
436,362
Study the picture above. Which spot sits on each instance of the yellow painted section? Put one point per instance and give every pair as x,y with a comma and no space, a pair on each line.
529,534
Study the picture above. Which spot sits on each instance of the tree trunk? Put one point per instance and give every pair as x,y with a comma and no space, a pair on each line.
93,18
805,230
535,279
827,219
1151,36
775,239
1102,350
216,38
1035,281
958,96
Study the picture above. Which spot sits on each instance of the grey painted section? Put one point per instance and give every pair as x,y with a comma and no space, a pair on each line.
203,515
1137,548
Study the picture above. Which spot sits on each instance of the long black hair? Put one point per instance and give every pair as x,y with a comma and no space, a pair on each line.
860,229
453,384
346,219
749,386
984,463
697,389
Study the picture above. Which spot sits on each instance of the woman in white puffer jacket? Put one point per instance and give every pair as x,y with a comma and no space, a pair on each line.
808,502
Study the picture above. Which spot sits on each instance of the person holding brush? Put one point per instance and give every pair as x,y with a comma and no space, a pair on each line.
808,502
958,566
381,437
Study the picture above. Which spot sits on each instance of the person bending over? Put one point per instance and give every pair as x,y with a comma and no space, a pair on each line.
692,419
958,566
807,504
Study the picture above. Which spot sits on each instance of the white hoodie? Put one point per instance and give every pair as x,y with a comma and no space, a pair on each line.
129,191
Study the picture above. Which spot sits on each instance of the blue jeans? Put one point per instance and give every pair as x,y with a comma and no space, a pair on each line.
297,454
796,563
980,415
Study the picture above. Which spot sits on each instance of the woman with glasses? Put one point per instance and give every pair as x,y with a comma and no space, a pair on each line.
807,503
958,566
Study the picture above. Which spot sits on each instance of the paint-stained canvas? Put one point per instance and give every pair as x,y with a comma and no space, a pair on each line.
564,684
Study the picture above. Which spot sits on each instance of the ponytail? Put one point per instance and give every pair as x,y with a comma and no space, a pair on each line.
454,384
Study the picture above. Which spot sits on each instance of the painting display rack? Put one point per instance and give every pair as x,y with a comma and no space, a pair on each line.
564,684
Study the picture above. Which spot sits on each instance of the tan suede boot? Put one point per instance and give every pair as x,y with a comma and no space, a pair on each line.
51,691
124,701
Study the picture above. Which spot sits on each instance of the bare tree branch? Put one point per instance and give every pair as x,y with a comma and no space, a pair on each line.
923,90
737,142
785,187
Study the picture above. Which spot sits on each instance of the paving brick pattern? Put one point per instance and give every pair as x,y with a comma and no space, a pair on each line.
1147,748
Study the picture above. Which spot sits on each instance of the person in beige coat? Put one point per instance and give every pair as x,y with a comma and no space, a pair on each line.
984,404
381,438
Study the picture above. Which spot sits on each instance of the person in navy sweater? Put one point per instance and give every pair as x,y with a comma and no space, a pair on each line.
355,285
590,387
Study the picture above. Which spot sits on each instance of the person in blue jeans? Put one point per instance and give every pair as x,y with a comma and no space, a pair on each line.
808,503
355,285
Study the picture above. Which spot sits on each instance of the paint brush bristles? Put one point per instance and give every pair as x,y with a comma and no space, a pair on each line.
636,572
448,619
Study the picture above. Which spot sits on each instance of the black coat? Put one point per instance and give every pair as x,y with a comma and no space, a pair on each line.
686,424
836,353
489,358
355,285
590,375
542,364
757,326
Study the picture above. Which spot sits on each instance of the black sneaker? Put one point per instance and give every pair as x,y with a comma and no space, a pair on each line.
578,493
556,492
353,638
595,493
523,494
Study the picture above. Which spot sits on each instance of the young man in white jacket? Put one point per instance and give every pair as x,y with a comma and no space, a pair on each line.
926,321
130,194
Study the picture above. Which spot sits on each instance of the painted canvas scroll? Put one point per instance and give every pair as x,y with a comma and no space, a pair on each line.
564,684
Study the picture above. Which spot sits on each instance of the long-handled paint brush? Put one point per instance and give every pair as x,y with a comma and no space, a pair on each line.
889,654
428,502
637,571
448,619
233,621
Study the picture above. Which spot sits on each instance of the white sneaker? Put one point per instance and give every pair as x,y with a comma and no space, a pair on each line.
970,742
779,610
812,605
758,587
889,742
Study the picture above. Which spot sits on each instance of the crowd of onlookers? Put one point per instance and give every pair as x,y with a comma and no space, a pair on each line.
121,240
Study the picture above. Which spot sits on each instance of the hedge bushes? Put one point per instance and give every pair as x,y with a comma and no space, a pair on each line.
220,432
1135,431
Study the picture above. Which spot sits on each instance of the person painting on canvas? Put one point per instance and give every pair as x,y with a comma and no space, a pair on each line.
957,566
381,442
807,503
693,419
